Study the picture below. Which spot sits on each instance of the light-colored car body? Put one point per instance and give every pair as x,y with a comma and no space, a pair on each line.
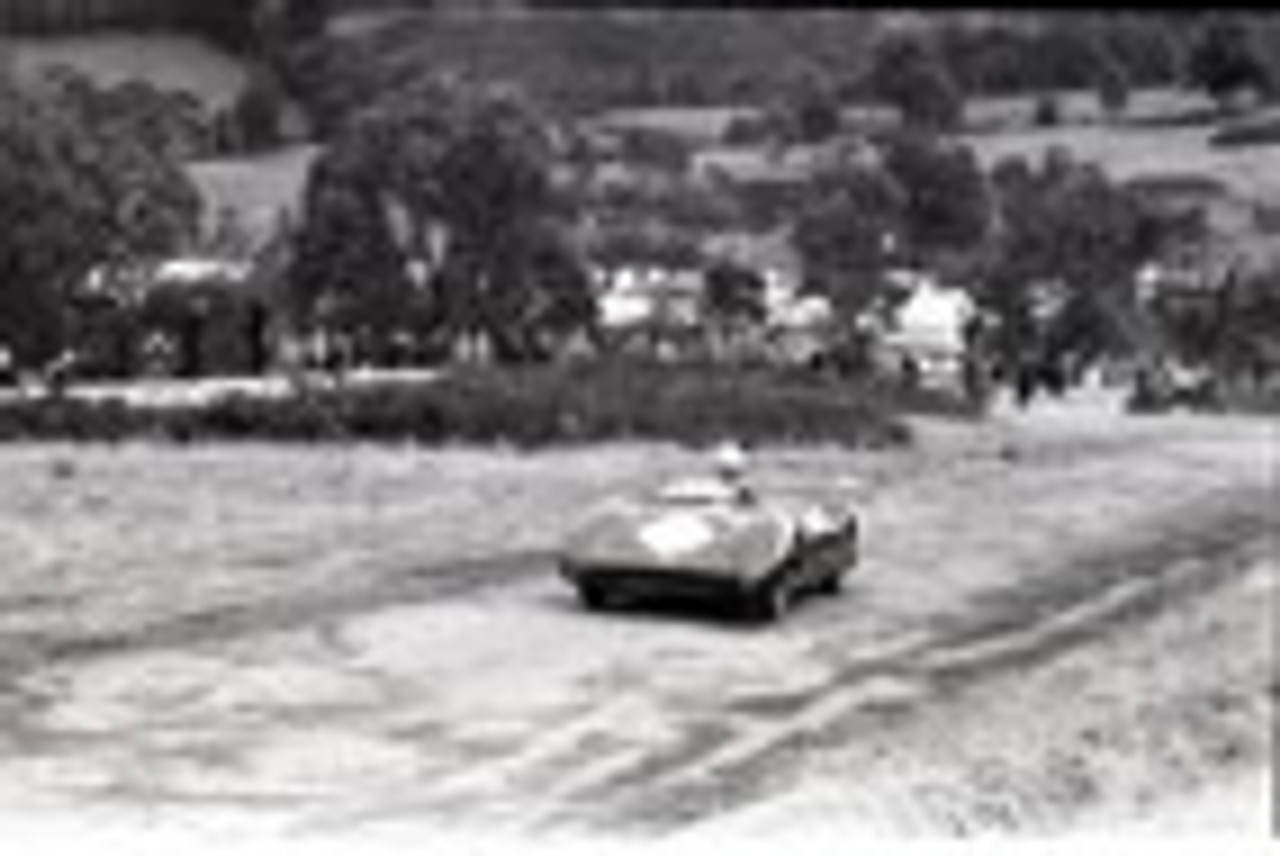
704,538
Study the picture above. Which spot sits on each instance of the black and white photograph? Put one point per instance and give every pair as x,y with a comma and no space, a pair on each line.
554,424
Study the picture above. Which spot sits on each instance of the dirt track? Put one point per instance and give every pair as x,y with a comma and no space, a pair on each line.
1063,621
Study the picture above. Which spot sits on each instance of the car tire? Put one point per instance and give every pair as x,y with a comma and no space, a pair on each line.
831,585
593,597
770,602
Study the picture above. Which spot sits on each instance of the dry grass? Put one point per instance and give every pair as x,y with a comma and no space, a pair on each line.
959,606
113,539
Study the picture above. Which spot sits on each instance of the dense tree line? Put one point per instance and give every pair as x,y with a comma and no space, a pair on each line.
228,20
237,24
697,54
77,189
433,217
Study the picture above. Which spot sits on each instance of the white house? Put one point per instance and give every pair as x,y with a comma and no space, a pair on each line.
926,332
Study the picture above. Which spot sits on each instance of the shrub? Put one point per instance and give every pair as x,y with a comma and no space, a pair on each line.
527,407
69,419
1047,112
1260,130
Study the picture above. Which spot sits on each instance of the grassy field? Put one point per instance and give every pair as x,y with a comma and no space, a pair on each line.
147,535
171,62
1127,151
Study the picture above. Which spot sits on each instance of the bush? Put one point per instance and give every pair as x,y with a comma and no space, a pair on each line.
1047,112
69,419
527,407
1261,130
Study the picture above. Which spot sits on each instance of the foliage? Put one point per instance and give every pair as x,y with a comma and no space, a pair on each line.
734,295
1047,112
848,233
1257,130
455,179
74,192
1226,60
1062,271
583,62
909,74
948,205
1111,81
293,21
656,150
810,106
256,119
169,123
348,274
1247,333
533,406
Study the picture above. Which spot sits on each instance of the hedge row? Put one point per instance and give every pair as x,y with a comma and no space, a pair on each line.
525,407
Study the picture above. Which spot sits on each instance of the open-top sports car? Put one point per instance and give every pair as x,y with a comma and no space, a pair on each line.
705,538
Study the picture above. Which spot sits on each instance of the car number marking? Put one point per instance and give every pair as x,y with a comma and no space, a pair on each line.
676,535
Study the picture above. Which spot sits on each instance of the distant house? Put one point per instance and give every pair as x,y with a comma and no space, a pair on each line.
771,183
768,185
651,310
926,334
184,317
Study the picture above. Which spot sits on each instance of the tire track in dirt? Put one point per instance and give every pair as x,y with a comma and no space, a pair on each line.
586,772
587,769
21,652
874,693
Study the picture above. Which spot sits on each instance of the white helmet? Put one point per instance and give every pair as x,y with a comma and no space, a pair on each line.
730,459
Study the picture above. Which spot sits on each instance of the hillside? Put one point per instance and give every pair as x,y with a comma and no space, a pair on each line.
604,60
168,61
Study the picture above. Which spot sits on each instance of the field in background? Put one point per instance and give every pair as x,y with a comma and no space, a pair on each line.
171,62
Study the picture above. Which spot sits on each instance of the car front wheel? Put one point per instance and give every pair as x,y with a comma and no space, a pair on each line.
832,584
770,602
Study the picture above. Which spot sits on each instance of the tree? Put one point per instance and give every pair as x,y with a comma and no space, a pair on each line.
348,274
458,178
948,205
909,75
734,294
304,20
810,106
1111,81
848,234
1225,61
1063,270
1047,112
257,116
74,194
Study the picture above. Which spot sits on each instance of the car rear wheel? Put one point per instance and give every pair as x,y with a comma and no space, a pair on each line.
593,596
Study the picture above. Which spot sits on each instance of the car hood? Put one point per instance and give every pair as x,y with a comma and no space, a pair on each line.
725,540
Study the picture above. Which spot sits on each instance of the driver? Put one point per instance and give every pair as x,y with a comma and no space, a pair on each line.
730,467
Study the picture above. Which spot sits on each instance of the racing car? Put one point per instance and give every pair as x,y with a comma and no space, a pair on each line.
708,539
